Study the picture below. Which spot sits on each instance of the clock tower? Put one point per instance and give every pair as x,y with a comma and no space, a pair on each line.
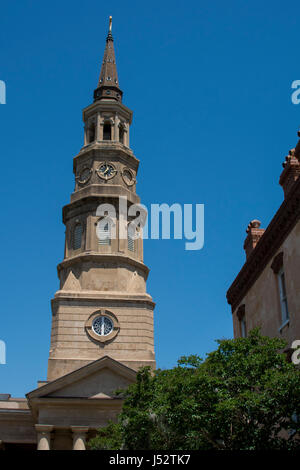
102,308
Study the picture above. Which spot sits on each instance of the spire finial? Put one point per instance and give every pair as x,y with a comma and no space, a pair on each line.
108,84
109,36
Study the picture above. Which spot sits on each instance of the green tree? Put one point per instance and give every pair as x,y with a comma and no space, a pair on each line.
108,438
244,396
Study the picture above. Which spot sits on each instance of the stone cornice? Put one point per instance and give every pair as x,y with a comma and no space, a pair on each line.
280,226
109,190
107,148
95,198
111,298
103,258
71,401
107,105
15,413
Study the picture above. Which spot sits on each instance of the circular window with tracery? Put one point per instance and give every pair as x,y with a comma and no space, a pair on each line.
102,326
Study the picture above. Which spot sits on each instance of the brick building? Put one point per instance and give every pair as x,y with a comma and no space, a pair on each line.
266,291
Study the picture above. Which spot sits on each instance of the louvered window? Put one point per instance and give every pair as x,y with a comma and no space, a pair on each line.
77,236
104,235
130,241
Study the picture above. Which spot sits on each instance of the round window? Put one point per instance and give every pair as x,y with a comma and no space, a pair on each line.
102,326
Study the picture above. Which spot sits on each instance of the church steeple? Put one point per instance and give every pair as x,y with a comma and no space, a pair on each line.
102,307
108,84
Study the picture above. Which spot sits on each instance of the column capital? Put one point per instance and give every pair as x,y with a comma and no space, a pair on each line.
43,436
44,427
79,437
79,429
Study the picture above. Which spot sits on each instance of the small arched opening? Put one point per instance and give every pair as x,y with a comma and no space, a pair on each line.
107,131
92,132
121,134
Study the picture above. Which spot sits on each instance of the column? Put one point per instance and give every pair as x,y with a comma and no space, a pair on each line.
126,135
98,127
43,436
79,437
101,124
85,134
116,133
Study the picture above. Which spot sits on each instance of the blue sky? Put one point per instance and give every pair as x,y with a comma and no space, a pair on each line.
210,86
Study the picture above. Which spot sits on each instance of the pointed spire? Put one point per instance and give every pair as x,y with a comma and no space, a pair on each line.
108,84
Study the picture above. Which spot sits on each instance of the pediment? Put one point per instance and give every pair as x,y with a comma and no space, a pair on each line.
99,379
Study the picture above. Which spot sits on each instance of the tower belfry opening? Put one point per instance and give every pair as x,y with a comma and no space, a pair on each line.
107,131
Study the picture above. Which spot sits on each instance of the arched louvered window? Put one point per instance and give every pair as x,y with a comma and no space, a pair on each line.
77,236
107,131
104,234
130,240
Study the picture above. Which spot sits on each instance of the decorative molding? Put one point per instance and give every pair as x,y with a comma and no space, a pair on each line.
114,151
280,226
109,107
96,257
109,298
44,428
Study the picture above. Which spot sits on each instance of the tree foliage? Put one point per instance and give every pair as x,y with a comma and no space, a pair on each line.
243,396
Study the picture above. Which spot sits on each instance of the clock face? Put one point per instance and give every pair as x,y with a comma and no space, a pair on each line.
106,171
128,176
84,175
